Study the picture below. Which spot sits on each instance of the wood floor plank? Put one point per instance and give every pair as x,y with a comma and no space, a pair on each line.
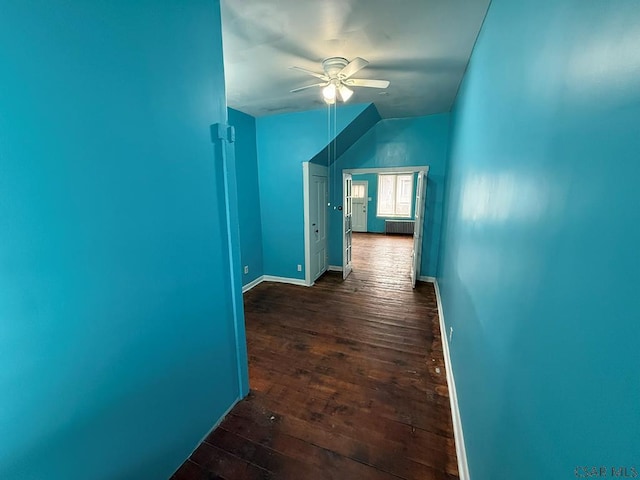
366,428
218,461
192,471
347,380
389,458
306,368
292,458
359,408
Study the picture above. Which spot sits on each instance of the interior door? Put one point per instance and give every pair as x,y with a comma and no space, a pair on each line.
318,221
359,198
347,218
421,187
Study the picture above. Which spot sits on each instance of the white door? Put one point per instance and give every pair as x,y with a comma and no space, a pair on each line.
359,195
318,220
347,217
421,187
315,220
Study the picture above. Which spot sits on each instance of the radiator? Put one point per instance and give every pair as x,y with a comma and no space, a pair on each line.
402,227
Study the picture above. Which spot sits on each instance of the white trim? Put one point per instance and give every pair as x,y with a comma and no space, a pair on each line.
365,204
358,171
347,267
361,171
309,169
292,281
271,278
418,225
307,237
334,268
252,284
427,279
461,452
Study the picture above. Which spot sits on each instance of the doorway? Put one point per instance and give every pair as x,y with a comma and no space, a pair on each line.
315,221
360,198
417,211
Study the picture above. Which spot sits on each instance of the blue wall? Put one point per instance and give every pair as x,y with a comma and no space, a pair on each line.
248,194
540,269
284,142
395,143
350,134
376,224
116,332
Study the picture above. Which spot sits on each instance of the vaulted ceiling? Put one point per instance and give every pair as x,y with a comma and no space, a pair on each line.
421,46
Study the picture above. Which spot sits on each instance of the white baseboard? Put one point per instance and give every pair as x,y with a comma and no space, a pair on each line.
461,452
427,279
252,284
334,268
271,278
292,281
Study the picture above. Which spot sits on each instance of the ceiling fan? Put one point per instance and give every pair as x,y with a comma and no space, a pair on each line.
336,78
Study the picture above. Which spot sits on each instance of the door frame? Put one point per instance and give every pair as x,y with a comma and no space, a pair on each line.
366,201
347,210
378,170
419,211
308,170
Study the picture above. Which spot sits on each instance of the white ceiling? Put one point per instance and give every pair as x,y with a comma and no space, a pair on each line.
421,46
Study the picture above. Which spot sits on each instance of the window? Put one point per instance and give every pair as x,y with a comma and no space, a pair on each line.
395,193
357,191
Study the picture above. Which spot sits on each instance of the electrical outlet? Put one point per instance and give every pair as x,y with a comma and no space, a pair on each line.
246,269
450,333
299,267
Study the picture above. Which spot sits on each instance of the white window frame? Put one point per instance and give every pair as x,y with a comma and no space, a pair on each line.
395,213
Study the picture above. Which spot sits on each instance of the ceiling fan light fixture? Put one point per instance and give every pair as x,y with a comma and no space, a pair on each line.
345,93
337,78
329,93
330,101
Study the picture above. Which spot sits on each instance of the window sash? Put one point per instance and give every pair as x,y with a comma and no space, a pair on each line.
395,194
358,190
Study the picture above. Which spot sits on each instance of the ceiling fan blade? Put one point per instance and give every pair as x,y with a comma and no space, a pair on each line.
308,86
365,82
309,72
352,67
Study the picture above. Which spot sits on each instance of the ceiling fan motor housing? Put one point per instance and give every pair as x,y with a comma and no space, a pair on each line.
332,66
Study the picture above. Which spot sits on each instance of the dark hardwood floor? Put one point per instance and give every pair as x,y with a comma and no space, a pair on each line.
347,380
